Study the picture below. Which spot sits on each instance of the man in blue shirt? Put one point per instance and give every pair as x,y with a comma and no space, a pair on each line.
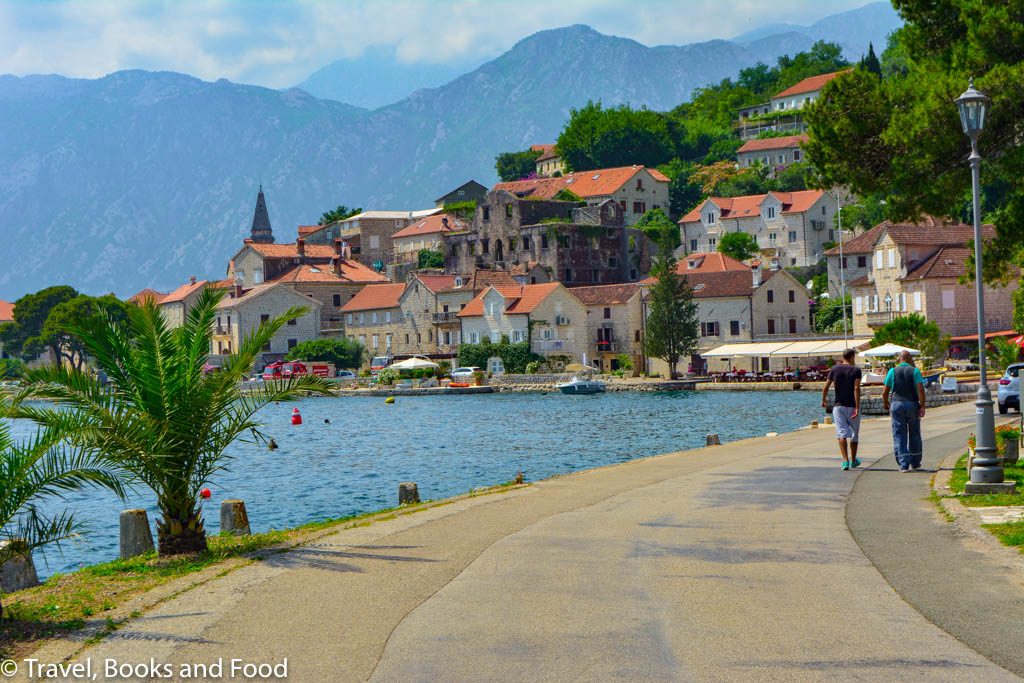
903,397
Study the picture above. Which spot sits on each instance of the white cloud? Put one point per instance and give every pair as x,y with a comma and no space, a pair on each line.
280,43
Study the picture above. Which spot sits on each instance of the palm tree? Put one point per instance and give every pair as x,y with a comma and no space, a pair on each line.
163,419
37,468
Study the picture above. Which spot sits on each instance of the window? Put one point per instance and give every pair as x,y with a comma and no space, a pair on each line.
292,343
874,303
844,262
387,316
257,275
264,318
595,275
337,299
639,207
734,328
796,155
406,338
362,340
831,235
709,329
349,318
772,237
613,262
292,321
387,341
374,241
487,214
792,325
917,301
792,296
607,313
771,326
771,296
373,317
792,236
693,245
636,335
622,205
903,301
948,298
770,212
892,258
543,241
857,305
508,211
568,274
517,336
878,260
376,341
526,244
711,217
712,242
632,273
782,158
485,245
639,183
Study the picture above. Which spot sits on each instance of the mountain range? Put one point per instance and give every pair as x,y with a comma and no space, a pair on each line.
144,178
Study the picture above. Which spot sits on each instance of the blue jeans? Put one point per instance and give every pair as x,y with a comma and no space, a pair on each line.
906,433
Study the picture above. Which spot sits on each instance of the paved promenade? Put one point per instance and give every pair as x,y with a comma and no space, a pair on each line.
731,563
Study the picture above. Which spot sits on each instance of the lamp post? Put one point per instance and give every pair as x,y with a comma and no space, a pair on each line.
842,274
988,467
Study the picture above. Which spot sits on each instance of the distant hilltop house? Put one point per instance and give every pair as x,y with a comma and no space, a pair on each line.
549,162
470,191
426,233
368,234
791,228
774,153
916,268
6,316
636,189
782,112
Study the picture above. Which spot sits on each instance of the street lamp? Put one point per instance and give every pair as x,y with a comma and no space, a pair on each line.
988,467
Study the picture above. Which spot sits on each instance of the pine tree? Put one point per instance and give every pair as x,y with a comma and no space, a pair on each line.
672,313
870,63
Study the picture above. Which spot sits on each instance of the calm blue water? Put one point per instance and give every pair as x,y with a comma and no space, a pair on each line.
447,444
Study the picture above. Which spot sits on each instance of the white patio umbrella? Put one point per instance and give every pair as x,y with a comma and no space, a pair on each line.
414,363
886,350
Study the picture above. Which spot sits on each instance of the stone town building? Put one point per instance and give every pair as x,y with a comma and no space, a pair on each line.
614,324
145,296
549,316
369,234
635,189
430,306
773,153
6,316
426,233
791,228
470,191
175,306
240,313
855,261
742,305
916,268
753,120
568,242
373,317
549,162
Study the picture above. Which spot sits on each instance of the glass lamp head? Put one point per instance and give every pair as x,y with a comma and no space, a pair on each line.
972,110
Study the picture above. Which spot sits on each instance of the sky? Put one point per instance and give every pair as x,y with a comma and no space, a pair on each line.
279,44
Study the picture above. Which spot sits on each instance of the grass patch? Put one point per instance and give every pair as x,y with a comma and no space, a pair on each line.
1010,533
1010,472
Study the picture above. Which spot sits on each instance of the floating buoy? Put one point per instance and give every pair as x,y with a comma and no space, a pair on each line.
296,418
327,421
205,493
389,399
272,445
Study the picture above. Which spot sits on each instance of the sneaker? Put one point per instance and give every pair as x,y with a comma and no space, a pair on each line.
855,464
845,465
915,467
904,470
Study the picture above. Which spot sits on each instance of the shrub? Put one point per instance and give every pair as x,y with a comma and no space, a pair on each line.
387,376
514,357
533,367
343,352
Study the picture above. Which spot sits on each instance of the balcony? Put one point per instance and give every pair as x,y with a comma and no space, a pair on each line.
221,331
606,346
879,318
370,322
447,317
550,345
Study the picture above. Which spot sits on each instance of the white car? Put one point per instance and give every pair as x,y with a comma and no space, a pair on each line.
1008,392
464,374
345,374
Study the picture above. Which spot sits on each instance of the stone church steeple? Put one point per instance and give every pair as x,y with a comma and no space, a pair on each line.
261,230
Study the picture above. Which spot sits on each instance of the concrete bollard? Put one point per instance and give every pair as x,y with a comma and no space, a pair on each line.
136,537
18,572
408,493
234,518
828,419
712,440
814,424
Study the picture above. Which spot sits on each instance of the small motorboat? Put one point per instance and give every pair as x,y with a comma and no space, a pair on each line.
581,385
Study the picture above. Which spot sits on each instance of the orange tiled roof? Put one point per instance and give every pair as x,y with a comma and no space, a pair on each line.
226,283
483,278
351,272
431,225
375,297
863,243
290,250
784,142
147,294
947,262
520,299
927,230
308,229
7,311
183,292
750,205
597,183
715,284
436,282
708,262
812,84
546,151
606,295
255,291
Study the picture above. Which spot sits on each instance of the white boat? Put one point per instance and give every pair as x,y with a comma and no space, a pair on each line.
581,385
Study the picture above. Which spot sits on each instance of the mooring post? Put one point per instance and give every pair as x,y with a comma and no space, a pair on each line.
408,493
234,518
136,537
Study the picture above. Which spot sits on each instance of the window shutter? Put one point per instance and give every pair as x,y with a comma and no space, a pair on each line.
903,301
857,305
917,301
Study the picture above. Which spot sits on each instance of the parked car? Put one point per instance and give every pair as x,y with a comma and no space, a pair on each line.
346,374
1009,389
464,374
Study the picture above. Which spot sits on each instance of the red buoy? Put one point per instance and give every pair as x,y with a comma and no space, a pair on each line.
296,418
205,493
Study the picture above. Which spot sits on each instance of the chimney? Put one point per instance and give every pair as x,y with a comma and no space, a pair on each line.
237,293
444,222
337,246
346,252
755,270
300,246
192,279
336,265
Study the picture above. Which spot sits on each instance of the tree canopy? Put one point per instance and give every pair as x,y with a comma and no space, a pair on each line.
516,165
23,336
343,352
340,213
672,318
429,258
916,332
738,245
659,228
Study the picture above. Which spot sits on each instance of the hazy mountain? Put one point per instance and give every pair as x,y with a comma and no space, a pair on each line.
852,30
377,78
142,179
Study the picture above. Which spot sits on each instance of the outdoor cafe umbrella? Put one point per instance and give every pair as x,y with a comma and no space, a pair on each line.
886,350
1018,341
414,363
